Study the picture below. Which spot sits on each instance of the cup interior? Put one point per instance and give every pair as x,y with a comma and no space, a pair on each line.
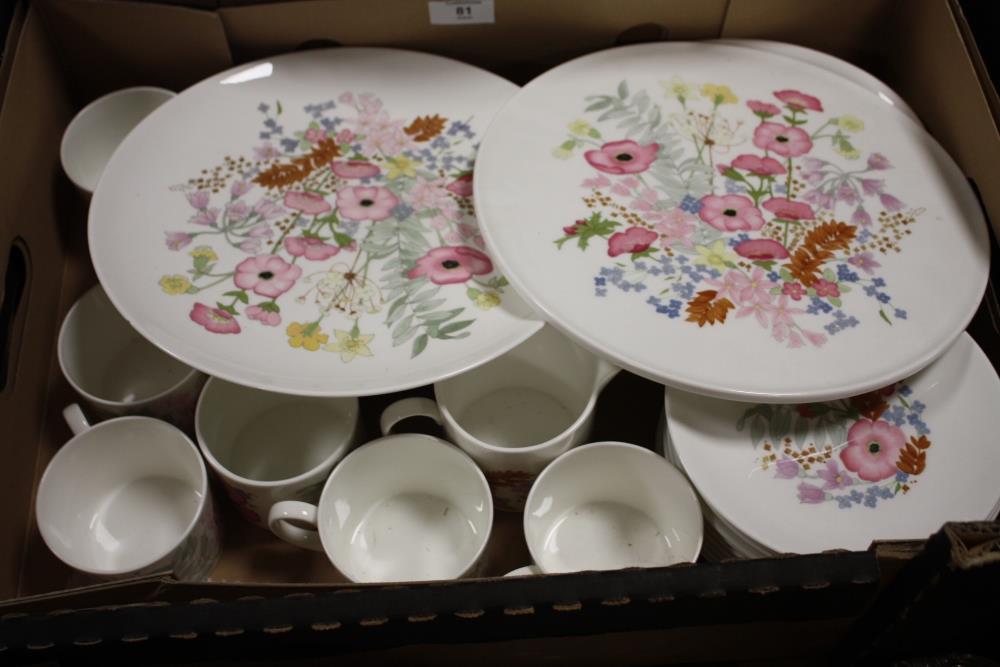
611,505
525,397
405,508
267,437
104,358
94,134
121,496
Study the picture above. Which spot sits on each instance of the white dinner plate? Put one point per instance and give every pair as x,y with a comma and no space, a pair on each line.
896,463
731,222
305,225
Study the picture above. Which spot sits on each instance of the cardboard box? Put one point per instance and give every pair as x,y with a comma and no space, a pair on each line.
274,600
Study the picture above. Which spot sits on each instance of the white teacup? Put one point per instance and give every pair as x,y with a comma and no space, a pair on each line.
611,505
117,372
267,447
128,497
96,131
405,507
517,413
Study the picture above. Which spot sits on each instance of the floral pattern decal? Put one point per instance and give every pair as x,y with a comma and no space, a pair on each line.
711,211
358,223
855,451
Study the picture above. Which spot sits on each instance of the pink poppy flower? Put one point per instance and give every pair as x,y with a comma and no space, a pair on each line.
786,468
451,264
309,203
761,249
206,217
826,288
798,101
461,186
730,213
865,262
177,240
314,135
310,247
834,477
763,109
793,290
761,166
354,169
215,320
872,186
366,203
781,139
878,161
634,239
890,203
809,493
344,137
784,209
872,450
860,217
199,199
267,275
240,188
266,317
622,157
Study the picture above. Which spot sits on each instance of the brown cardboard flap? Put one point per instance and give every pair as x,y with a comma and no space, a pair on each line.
104,46
525,31
33,201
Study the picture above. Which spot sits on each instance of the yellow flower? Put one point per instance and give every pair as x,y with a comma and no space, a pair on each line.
401,166
350,346
175,284
676,87
487,300
204,251
848,151
716,256
579,126
562,153
719,94
306,336
850,123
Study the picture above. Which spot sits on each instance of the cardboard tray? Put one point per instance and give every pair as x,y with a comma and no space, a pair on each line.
272,601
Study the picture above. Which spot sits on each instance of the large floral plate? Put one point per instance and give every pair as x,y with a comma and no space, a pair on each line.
305,224
731,222
894,463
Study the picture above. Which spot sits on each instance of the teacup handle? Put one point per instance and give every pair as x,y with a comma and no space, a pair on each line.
405,408
285,511
75,419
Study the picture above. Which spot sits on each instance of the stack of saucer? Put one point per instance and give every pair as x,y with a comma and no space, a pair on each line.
896,463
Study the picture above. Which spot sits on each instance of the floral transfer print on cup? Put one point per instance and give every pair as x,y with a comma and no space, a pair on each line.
714,211
358,223
855,451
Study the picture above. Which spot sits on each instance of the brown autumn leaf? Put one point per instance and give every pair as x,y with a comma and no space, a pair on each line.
281,175
425,128
912,460
706,309
807,263
830,236
920,443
